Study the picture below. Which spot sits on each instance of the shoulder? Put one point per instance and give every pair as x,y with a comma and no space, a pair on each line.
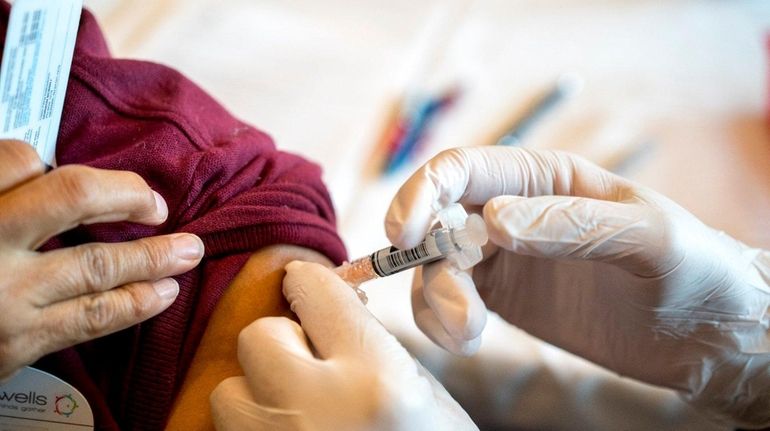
255,292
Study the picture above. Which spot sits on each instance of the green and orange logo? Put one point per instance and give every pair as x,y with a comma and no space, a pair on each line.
65,405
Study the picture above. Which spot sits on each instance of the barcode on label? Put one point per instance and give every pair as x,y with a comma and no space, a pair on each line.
391,260
405,257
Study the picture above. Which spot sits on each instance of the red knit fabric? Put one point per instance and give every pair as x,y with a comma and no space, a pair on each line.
223,180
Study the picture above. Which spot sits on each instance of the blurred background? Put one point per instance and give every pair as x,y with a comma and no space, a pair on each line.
672,94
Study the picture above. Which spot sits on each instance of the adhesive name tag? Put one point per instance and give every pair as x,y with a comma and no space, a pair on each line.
36,65
35,400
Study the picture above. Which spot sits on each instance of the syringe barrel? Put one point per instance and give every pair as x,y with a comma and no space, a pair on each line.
391,260
462,243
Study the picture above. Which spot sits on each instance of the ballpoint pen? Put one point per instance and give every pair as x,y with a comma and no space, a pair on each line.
565,87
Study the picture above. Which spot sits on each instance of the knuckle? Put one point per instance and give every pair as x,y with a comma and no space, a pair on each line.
103,313
221,394
250,338
138,304
565,157
559,163
257,332
217,398
665,243
671,232
260,337
667,229
98,267
154,253
135,181
20,338
445,161
78,184
98,313
452,155
447,153
571,163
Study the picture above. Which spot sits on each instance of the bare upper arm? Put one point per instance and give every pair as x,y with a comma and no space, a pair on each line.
255,292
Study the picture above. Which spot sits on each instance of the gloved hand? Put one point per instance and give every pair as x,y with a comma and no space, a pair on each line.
340,370
600,266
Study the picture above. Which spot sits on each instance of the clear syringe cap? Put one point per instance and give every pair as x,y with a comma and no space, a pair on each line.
468,234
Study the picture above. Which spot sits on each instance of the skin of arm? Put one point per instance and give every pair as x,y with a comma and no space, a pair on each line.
255,292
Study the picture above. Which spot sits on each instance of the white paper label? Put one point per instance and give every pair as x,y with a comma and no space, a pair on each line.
35,400
36,65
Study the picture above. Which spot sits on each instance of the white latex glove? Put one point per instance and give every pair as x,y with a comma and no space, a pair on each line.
602,267
340,370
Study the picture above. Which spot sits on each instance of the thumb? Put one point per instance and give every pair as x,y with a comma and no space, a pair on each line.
233,408
625,234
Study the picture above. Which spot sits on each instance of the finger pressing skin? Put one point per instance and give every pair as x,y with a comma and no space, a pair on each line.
226,400
19,163
233,408
333,317
92,316
96,267
229,401
267,343
73,195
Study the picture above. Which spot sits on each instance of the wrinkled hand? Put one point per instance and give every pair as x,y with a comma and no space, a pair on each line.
599,266
52,300
340,370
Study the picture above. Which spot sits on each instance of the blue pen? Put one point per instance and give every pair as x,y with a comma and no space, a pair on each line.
566,86
417,125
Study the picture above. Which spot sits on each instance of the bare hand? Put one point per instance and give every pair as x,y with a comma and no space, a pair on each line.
53,300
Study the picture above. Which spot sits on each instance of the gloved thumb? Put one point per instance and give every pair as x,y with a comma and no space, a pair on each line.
626,234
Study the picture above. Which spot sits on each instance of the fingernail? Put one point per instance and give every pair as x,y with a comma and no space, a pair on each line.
188,246
166,288
160,205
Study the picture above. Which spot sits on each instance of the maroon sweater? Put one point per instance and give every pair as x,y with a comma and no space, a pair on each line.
223,180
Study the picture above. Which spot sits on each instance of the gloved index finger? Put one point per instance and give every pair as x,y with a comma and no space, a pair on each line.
475,175
332,316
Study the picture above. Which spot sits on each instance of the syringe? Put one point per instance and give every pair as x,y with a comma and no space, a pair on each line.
460,238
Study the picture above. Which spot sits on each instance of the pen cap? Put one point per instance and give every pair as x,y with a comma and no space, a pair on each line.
470,233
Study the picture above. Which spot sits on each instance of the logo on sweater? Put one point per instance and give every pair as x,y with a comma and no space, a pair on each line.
65,405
